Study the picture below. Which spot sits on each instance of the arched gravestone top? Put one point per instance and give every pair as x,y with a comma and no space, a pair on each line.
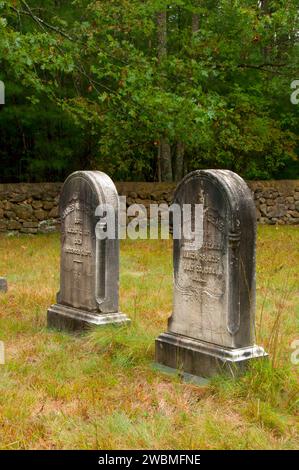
214,286
89,268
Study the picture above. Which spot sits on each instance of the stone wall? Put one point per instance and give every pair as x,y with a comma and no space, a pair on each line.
33,208
277,202
29,208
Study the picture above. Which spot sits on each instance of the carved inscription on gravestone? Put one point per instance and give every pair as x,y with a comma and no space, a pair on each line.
78,255
214,285
201,276
89,268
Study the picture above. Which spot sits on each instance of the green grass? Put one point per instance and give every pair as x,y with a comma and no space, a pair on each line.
100,391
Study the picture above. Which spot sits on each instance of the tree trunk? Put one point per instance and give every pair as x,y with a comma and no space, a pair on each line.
164,151
162,34
180,149
179,162
264,5
166,164
264,9
195,23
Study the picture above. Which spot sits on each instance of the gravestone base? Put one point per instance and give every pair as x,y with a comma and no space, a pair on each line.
61,317
203,359
3,284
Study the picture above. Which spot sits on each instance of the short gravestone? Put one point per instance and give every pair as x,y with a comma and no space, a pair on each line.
3,284
89,269
212,328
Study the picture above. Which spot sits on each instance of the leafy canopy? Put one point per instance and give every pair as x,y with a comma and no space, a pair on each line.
86,87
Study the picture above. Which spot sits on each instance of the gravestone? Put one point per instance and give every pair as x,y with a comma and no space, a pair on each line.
3,284
89,268
212,327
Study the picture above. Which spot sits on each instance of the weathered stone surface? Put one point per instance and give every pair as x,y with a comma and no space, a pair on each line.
294,214
23,211
37,204
30,224
54,212
18,197
3,225
263,209
8,206
13,225
258,214
89,270
40,214
3,284
277,210
47,226
10,215
48,205
212,325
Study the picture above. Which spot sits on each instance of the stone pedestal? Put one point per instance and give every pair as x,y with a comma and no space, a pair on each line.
203,359
3,284
61,317
212,326
89,268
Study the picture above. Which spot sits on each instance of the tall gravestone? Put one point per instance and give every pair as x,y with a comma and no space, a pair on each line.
212,328
89,271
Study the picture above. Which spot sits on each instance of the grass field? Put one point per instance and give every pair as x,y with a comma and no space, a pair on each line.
100,391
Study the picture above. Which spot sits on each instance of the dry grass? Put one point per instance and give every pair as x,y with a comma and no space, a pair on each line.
100,391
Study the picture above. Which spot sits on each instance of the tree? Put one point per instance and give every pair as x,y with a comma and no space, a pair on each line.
164,151
207,83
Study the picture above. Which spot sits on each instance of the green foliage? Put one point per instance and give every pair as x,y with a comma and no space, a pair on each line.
92,74
263,383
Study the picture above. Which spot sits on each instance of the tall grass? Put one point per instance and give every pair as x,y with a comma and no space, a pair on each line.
100,390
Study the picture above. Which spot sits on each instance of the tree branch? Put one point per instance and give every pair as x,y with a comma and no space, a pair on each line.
47,25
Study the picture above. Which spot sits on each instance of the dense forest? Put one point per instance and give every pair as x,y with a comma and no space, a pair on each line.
148,89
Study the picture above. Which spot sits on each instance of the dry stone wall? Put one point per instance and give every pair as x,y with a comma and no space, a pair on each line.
33,208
